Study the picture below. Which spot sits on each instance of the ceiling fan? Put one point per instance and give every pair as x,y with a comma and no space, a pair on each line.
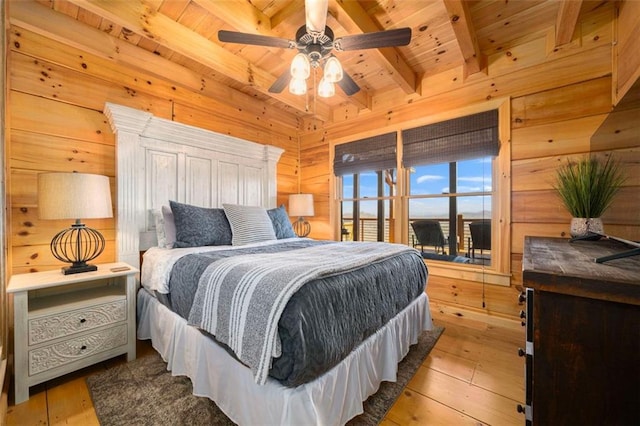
315,42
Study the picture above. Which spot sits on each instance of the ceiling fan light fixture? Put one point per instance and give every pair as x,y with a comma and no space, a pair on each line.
300,67
333,70
326,88
298,86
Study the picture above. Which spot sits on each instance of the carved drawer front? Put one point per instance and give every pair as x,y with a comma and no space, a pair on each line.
62,353
62,324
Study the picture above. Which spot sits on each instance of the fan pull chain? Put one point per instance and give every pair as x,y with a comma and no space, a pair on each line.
315,95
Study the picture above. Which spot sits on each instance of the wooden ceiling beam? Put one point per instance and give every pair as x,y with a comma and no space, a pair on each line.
567,20
242,16
460,18
292,12
138,17
355,20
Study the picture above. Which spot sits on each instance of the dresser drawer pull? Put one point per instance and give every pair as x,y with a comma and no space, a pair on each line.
83,320
83,347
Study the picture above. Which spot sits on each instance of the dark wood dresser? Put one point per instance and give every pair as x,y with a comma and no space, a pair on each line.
583,333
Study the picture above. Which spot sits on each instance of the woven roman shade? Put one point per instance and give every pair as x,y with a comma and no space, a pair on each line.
459,139
370,154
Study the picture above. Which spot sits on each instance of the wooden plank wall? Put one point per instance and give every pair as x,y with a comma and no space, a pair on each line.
559,98
58,92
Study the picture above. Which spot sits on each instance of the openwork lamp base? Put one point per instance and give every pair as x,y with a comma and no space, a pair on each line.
77,245
301,227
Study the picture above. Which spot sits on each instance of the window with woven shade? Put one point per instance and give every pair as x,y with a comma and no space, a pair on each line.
367,168
450,167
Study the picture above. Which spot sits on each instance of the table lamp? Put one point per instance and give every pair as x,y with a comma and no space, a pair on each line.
301,205
75,196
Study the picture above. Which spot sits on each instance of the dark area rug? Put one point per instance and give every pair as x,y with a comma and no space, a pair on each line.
143,392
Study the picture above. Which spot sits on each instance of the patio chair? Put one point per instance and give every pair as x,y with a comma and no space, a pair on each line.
480,237
429,233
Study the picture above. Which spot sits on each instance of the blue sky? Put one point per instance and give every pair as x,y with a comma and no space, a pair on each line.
473,176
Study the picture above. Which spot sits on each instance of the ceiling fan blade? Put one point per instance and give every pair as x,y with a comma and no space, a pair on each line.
348,86
254,39
316,16
282,82
389,38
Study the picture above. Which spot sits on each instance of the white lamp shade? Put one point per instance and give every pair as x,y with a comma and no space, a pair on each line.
301,205
326,89
73,196
333,70
297,86
300,67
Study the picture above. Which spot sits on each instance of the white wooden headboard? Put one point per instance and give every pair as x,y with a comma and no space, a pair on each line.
158,160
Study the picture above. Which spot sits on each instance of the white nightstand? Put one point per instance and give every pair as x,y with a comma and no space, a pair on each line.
66,322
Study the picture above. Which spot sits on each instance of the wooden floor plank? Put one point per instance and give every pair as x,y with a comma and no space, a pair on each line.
412,408
70,404
31,412
450,364
480,404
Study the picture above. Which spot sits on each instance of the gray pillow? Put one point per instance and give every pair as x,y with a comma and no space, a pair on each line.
200,226
250,224
281,224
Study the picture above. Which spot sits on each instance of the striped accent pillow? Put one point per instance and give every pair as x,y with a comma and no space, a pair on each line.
249,224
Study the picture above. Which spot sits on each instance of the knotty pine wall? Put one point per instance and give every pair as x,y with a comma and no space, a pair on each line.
57,95
559,99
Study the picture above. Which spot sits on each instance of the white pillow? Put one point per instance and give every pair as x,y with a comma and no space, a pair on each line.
160,233
165,227
169,226
249,224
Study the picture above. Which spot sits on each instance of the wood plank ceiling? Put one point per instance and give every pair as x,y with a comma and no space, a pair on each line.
446,34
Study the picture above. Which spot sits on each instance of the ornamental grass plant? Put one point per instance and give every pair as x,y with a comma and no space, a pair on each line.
588,186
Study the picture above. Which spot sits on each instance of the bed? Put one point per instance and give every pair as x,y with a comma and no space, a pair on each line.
209,173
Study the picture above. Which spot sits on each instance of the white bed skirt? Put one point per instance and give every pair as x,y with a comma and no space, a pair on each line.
331,399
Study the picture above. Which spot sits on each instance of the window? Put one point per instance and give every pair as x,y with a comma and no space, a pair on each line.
367,168
450,187
456,195
454,172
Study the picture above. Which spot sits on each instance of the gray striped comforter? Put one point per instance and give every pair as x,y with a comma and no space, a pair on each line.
240,299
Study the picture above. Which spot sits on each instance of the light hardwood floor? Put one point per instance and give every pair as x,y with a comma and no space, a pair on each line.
473,376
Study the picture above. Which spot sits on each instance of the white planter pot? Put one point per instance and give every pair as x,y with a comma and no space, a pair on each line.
581,226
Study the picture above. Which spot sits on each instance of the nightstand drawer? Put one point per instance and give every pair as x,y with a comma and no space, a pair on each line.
45,328
67,351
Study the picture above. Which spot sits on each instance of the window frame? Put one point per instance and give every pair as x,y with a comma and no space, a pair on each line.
498,272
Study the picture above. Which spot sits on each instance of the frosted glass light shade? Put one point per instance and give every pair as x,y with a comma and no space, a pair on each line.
297,86
326,89
73,196
300,67
333,70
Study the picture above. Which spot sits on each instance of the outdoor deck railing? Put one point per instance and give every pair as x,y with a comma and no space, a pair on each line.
368,231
